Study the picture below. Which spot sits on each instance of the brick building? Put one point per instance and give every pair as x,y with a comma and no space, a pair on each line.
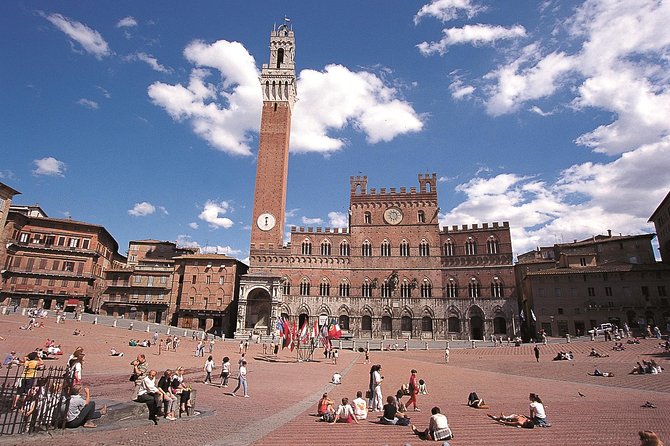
205,292
572,287
140,287
52,261
661,220
393,272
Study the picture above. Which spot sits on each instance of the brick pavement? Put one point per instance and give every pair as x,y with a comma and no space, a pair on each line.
284,394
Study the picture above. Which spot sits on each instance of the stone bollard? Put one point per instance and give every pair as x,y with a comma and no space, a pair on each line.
168,330
426,345
353,345
473,344
2,310
367,345
95,320
79,318
567,337
114,323
147,329
130,327
340,344
23,312
58,319
447,344
185,332
593,336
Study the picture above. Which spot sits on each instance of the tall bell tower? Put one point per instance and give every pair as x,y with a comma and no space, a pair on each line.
278,83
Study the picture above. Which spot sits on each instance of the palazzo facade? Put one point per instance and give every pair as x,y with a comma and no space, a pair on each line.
393,272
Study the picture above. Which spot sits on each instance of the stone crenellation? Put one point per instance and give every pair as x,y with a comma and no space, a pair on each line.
474,227
318,230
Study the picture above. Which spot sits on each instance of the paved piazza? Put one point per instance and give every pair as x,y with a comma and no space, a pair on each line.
284,393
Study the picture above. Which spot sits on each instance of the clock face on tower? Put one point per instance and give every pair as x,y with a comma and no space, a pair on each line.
266,221
393,216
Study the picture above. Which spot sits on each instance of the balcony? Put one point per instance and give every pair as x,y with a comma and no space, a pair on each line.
15,245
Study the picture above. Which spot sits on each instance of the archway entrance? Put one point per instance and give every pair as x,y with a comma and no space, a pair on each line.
302,319
259,308
476,327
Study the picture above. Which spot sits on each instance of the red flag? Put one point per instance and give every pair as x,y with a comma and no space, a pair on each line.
294,335
334,332
286,334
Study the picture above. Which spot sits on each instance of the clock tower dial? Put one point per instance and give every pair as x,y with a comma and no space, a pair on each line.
266,221
393,216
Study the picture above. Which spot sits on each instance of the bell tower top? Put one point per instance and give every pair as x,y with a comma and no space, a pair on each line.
278,76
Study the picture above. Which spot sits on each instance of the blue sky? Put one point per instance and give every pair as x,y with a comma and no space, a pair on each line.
143,116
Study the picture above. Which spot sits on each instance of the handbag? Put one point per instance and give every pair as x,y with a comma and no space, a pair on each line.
133,377
368,394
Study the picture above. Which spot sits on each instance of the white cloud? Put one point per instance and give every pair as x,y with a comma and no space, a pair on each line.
212,214
338,219
291,213
126,22
104,92
227,113
185,241
142,209
91,40
335,98
446,10
7,175
88,103
311,221
538,111
459,90
479,34
149,60
49,166
193,225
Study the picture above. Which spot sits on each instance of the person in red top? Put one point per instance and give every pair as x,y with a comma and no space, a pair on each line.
413,390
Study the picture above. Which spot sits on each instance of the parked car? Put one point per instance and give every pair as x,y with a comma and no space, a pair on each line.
602,328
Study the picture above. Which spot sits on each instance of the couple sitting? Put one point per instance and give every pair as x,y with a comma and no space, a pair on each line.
394,412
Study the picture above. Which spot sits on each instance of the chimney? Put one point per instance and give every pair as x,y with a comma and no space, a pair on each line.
609,233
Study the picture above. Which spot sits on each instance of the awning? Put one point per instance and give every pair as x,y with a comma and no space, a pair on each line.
71,302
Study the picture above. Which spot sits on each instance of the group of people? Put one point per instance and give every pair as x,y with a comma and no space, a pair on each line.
537,416
163,397
650,367
563,356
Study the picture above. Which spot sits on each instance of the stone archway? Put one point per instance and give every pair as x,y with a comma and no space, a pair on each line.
259,310
476,323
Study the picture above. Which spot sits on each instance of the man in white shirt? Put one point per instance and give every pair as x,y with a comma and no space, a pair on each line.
344,413
360,406
337,378
438,428
150,395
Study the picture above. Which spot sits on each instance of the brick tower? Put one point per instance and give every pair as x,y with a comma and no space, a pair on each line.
279,93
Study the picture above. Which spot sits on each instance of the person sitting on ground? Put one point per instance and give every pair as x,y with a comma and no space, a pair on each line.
438,427
360,406
114,352
597,372
475,401
81,410
324,406
638,369
513,420
336,379
596,354
654,367
633,341
422,387
392,415
649,438
619,347
77,332
537,412
11,359
344,413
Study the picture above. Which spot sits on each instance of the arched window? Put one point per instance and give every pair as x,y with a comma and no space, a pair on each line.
424,248
406,323
449,248
367,217
451,288
324,287
344,322
453,324
366,323
404,248
427,324
470,247
325,248
386,323
473,288
366,249
344,249
366,288
405,289
306,247
344,288
497,289
426,288
386,249
421,217
286,287
280,57
492,245
304,287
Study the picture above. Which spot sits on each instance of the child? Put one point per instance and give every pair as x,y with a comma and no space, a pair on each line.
422,387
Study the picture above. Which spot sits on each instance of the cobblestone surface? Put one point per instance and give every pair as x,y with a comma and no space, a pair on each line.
284,393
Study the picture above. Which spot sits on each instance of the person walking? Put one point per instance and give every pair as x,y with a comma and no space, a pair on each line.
209,368
225,372
413,391
242,376
536,349
446,355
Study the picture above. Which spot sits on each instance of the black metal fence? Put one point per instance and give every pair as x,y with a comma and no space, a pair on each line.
29,405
